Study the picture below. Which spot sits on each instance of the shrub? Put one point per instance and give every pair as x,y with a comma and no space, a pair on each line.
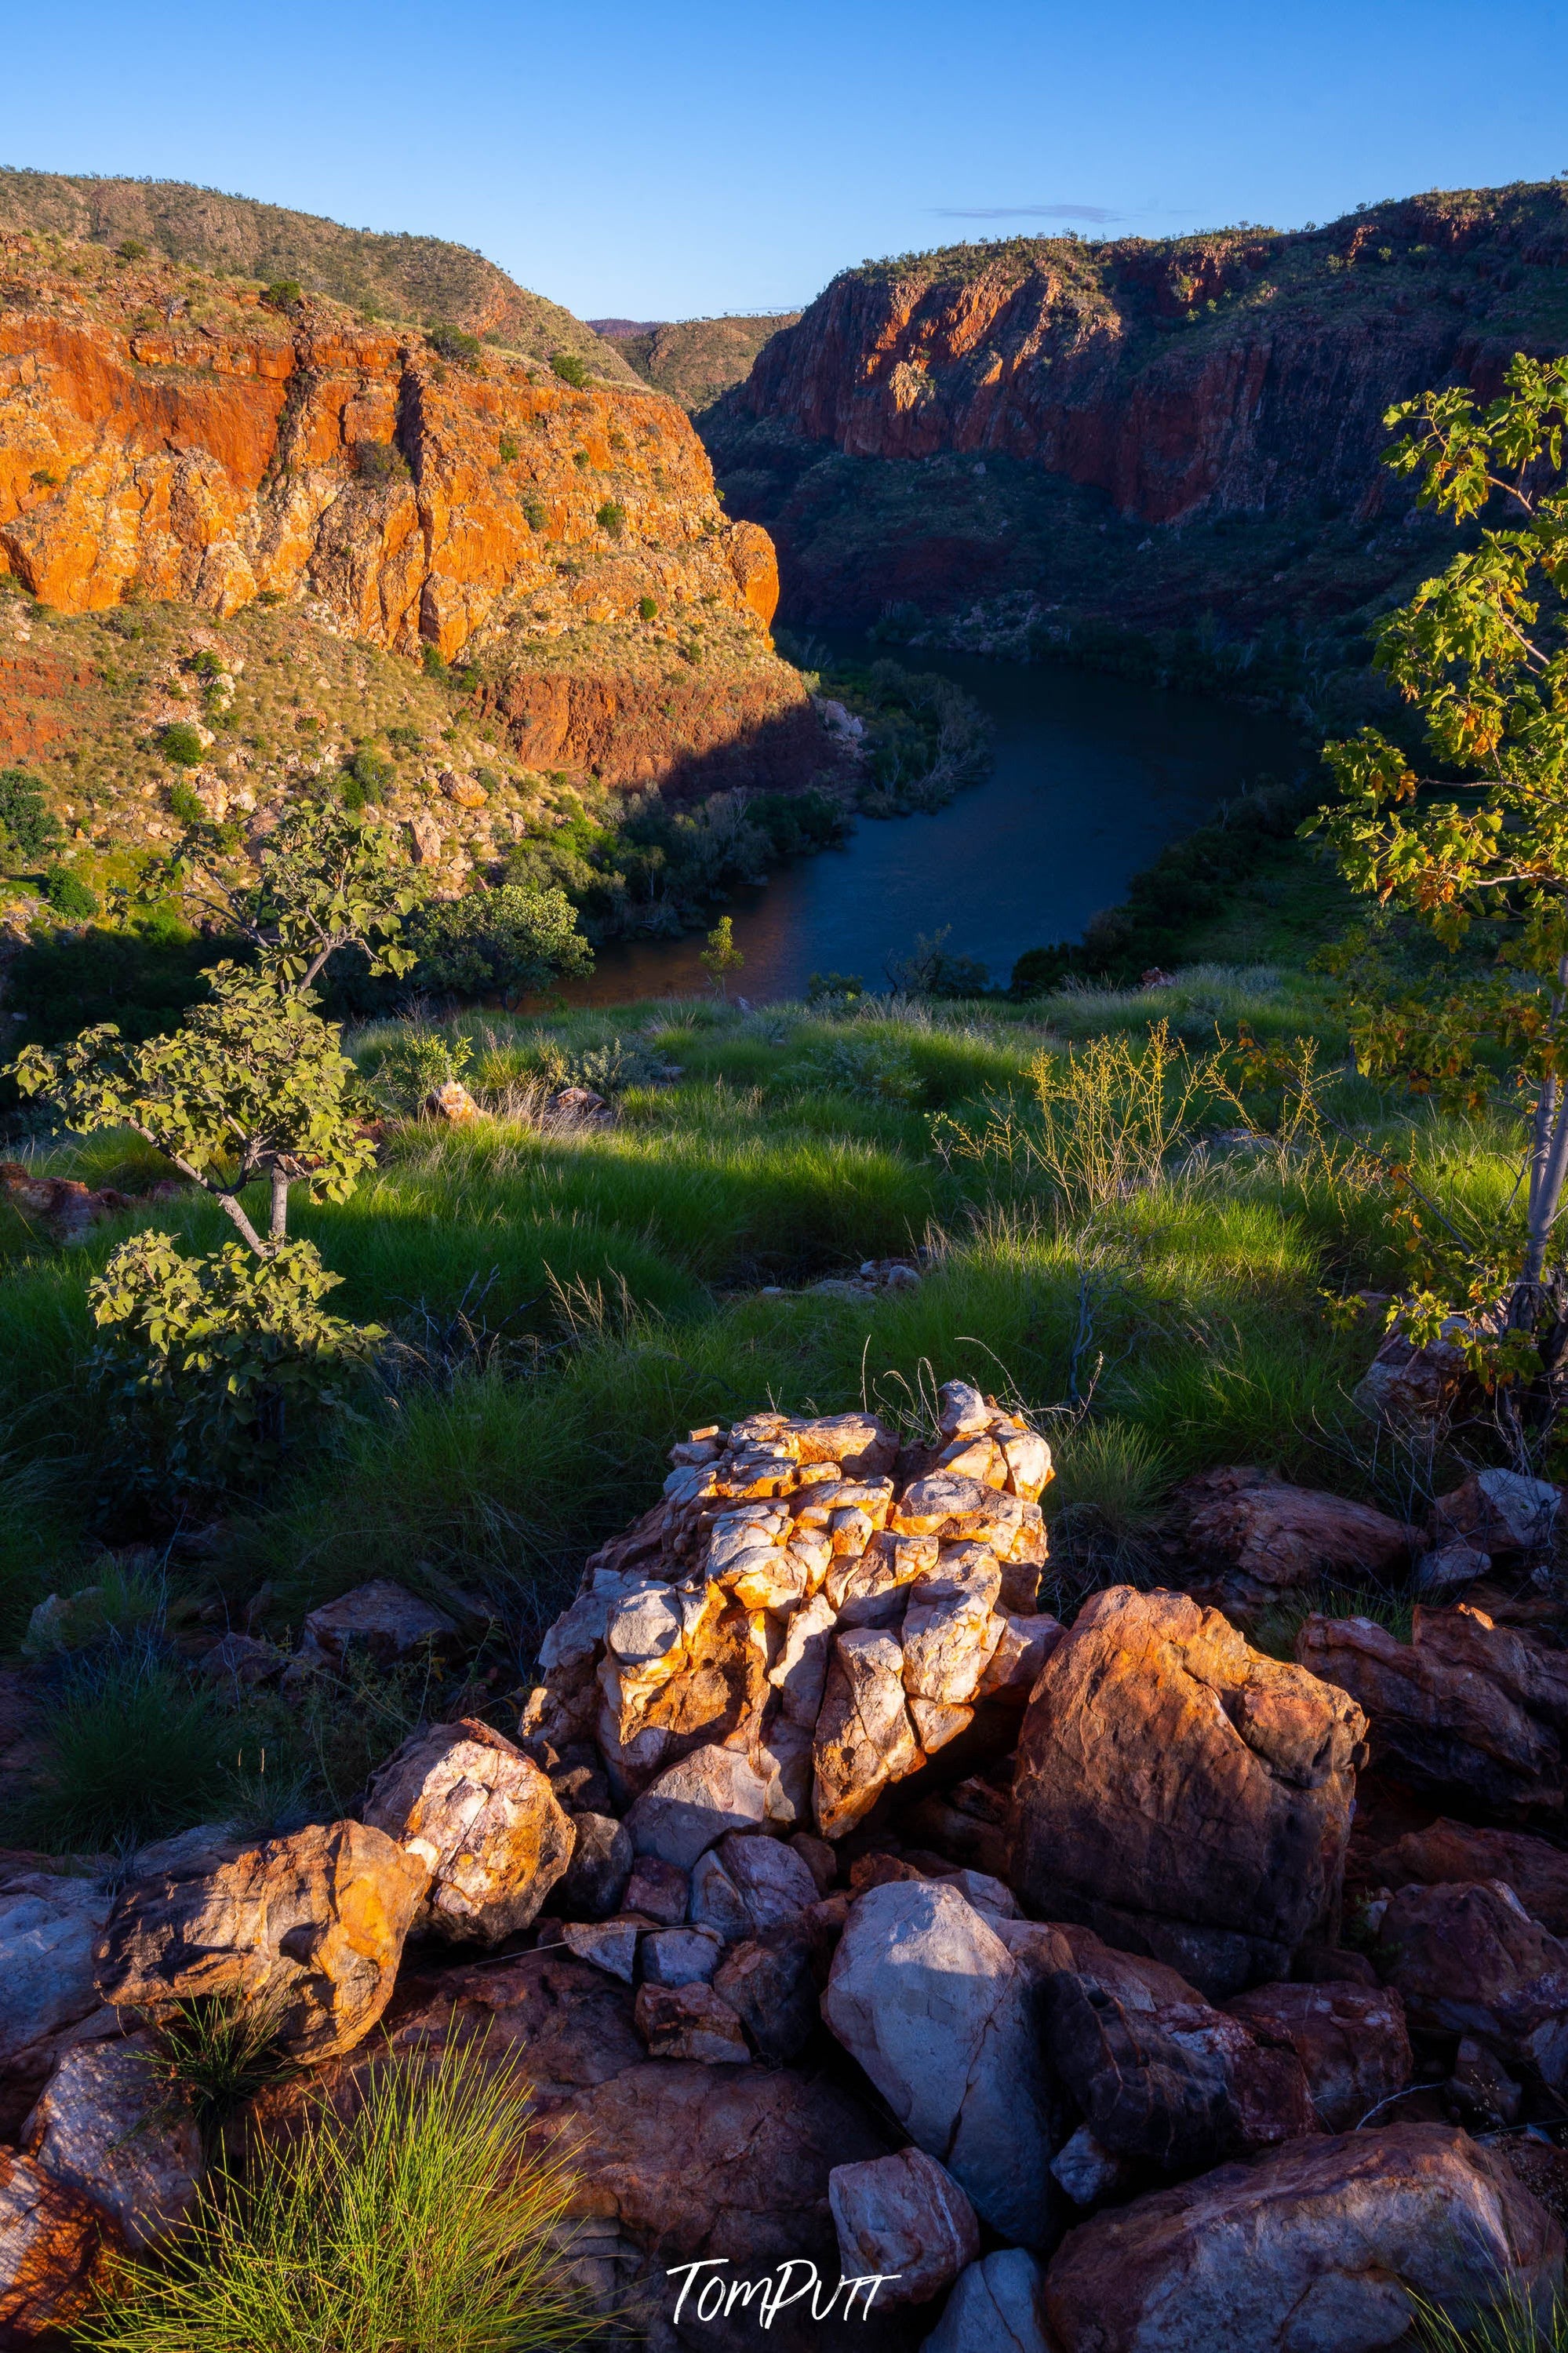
434,662
835,992
181,742
365,777
612,517
454,343
28,830
379,461
142,980
283,294
515,939
533,513
863,1066
648,608
405,739
185,803
41,478
68,895
131,248
927,969
422,2224
570,369
506,450
415,1064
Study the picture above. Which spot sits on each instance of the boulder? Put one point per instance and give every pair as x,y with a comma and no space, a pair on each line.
1470,1960
1319,2248
659,1890
863,1738
49,1930
384,1620
679,1956
1445,1851
1465,1709
1501,1513
774,1882
1447,1570
716,1901
1090,2174
1350,2040
1266,1538
110,2124
924,1994
51,2242
948,1631
905,2219
1406,1384
691,1805
1180,1793
481,1819
593,1883
769,1984
610,1944
997,2306
314,1924
691,2021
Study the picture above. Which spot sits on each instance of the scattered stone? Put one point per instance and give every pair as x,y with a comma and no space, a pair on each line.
691,2021
1180,1793
1322,2246
679,1957
1537,1873
906,2219
927,1998
769,1984
481,1819
49,1929
996,2307
1498,1511
1406,1385
693,1803
452,1103
1466,1708
383,1620
1266,1537
110,2125
51,2239
242,1659
610,1945
716,1901
660,1889
1440,1574
818,1857
314,1923
593,1883
1090,2174
1471,1961
1351,2040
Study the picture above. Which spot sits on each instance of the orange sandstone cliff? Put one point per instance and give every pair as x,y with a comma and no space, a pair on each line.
166,435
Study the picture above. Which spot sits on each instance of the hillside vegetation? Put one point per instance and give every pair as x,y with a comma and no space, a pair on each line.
394,276
694,360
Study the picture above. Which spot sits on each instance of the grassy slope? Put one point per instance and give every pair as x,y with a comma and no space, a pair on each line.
424,280
695,360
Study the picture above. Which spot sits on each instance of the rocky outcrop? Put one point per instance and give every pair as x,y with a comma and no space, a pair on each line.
1320,2249
314,1925
481,1819
1449,1851
1467,1709
52,2241
1180,1793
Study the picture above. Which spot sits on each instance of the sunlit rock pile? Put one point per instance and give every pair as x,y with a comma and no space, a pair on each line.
1097,1988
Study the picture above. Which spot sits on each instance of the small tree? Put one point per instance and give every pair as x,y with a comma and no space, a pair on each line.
1482,653
203,1352
720,955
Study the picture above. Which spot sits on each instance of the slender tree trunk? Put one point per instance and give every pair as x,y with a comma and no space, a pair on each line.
279,1209
1548,1166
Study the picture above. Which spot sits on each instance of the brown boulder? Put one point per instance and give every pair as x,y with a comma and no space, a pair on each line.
1317,2248
383,1620
1349,2039
51,2242
768,1983
1446,1851
1265,1538
1471,1961
1320,2248
1465,1708
1182,1794
903,2219
1498,1511
315,1923
483,1821
691,2021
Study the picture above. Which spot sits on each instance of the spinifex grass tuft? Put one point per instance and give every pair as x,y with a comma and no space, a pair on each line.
1514,2324
218,2051
133,1750
419,2225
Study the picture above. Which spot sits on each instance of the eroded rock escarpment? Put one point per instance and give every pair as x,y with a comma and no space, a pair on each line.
164,435
1243,374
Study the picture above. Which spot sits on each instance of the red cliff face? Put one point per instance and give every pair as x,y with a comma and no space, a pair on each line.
1238,374
165,436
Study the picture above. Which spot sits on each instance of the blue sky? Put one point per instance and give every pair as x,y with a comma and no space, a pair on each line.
671,158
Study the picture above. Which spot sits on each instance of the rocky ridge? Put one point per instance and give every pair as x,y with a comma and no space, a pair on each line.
853,1912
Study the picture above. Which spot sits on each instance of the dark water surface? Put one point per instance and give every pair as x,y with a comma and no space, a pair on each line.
1092,776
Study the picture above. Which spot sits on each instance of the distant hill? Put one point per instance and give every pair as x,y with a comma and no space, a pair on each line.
694,360
424,280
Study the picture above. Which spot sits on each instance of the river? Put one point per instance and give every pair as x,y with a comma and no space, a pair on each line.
1092,776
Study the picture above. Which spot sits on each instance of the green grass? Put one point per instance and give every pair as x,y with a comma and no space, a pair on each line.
421,2224
132,1750
568,1301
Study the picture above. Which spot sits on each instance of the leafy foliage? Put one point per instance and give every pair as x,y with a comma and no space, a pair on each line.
454,343
424,2223
417,1061
514,939
328,880
570,369
205,1359
1482,652
179,743
68,895
29,830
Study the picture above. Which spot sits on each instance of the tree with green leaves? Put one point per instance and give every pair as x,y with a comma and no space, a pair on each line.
720,955
203,1352
1476,850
